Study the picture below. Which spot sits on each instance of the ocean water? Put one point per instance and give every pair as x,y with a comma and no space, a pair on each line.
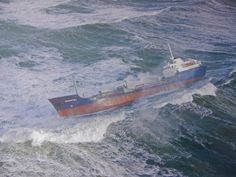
47,44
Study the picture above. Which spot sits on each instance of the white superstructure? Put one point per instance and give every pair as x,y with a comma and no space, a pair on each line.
178,65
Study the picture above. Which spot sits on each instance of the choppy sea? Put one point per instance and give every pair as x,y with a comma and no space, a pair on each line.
47,44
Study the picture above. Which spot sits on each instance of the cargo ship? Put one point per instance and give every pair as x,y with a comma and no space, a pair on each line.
178,73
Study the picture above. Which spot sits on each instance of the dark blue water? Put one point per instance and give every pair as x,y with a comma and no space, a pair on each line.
46,45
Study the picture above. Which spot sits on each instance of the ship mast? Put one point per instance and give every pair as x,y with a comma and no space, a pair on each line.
76,88
171,54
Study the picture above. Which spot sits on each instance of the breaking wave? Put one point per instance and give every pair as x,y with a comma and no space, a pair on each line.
42,14
91,130
186,95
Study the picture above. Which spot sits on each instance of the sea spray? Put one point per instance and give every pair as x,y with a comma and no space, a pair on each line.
91,130
186,94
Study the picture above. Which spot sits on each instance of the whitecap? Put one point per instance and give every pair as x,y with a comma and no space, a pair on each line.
90,130
186,95
33,13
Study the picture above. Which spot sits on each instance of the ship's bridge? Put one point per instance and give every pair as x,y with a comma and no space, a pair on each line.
178,65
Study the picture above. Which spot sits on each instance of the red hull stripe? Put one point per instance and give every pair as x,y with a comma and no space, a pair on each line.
122,100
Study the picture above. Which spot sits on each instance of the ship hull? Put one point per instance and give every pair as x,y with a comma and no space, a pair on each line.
75,105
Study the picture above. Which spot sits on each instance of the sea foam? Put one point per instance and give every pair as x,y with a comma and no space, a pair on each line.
34,13
26,103
186,95
91,130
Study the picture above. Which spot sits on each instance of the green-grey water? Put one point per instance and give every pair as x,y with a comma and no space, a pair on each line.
46,45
